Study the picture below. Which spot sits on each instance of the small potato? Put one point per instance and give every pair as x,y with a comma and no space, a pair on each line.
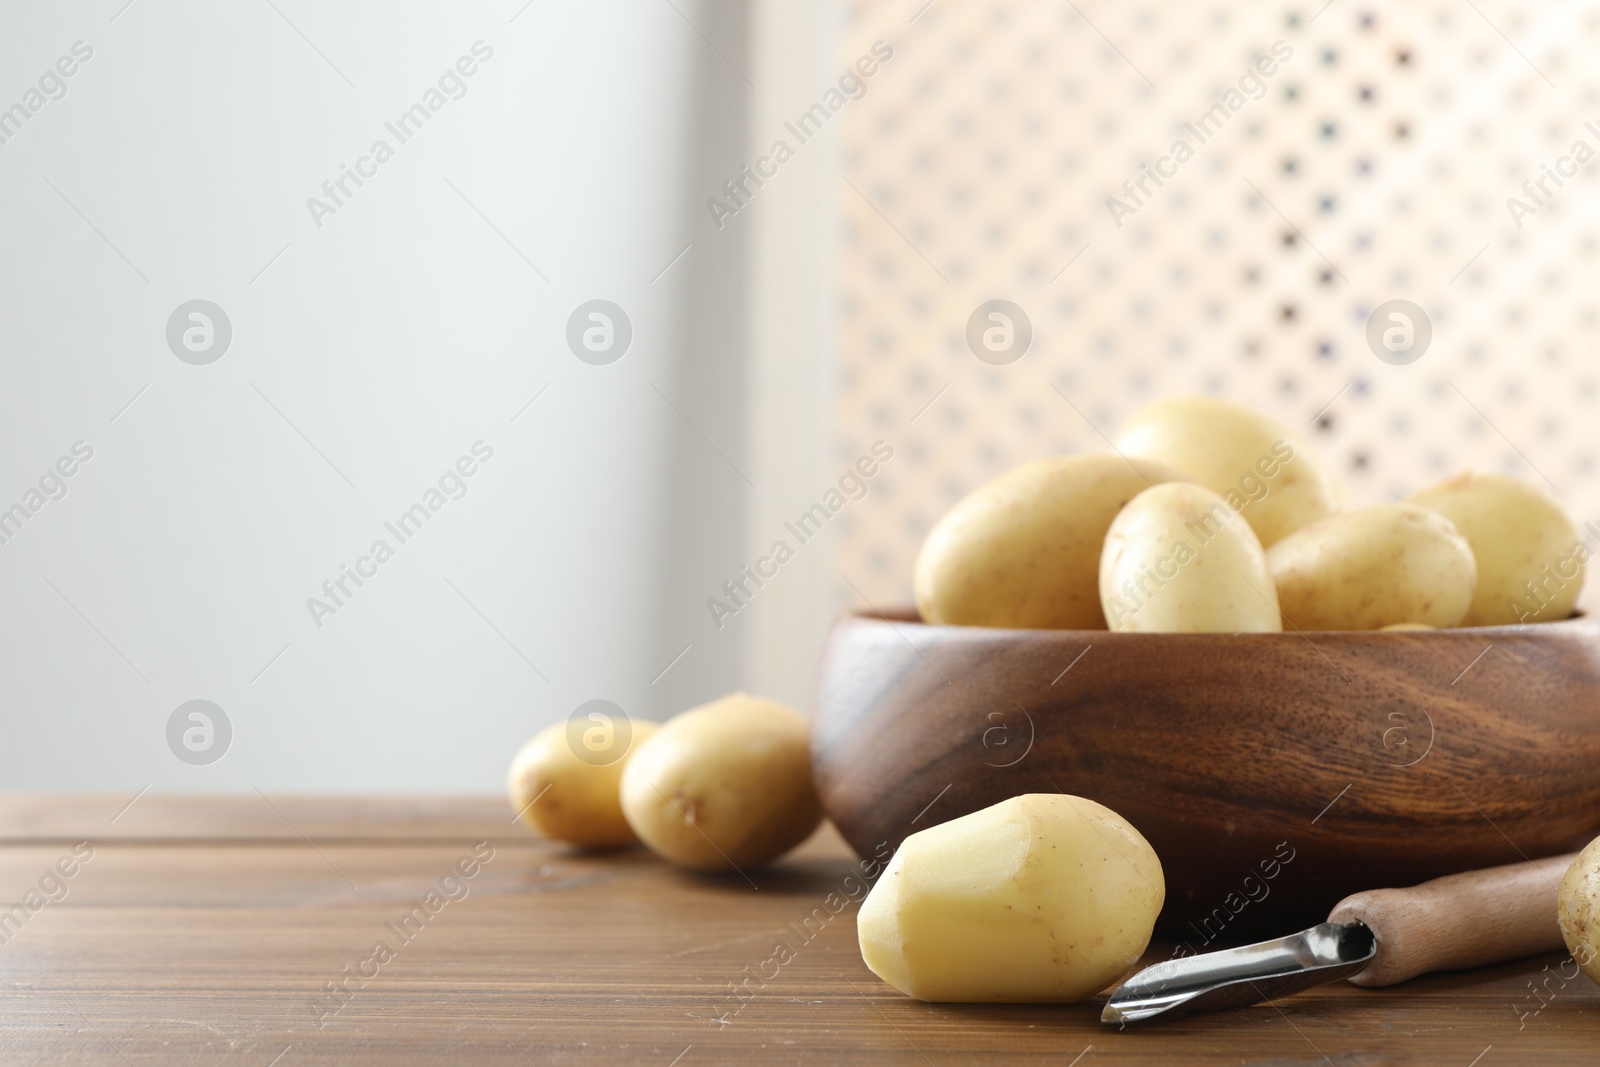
1266,471
1578,910
724,786
1023,551
1178,559
1530,560
1373,568
574,795
1043,897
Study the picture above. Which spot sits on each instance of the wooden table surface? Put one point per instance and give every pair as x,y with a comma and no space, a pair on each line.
208,930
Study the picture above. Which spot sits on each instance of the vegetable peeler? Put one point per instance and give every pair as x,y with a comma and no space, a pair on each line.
1378,937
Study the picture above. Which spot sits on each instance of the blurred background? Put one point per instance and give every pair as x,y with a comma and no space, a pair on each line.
656,274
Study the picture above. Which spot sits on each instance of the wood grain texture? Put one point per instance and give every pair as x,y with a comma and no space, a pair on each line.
1333,762
184,948
1460,920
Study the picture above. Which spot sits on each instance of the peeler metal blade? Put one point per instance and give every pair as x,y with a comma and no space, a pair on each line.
1236,977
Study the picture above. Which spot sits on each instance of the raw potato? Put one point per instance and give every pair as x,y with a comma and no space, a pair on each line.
578,799
1578,910
1023,551
1372,568
1043,897
1178,559
1266,471
725,786
1530,560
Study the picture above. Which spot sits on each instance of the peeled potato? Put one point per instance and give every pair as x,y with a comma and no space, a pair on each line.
1578,910
1530,560
1374,568
573,796
1023,551
724,786
1178,559
1265,470
1043,897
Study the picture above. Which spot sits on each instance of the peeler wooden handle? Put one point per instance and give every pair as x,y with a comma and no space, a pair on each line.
1459,921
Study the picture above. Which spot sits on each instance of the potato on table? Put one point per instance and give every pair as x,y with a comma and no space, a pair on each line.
1578,910
1043,897
1374,568
725,786
575,797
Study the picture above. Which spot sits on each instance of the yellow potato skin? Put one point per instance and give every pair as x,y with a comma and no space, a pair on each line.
578,802
1023,551
1578,910
1040,898
1149,585
1373,568
725,786
1221,445
1519,534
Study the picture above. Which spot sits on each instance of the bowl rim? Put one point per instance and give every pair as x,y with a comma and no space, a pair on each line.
898,615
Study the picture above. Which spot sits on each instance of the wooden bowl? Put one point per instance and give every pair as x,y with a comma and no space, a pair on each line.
1272,773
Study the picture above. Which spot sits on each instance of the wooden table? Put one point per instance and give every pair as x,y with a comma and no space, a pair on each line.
208,930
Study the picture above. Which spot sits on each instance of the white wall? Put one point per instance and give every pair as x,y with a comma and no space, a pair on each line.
790,395
370,355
